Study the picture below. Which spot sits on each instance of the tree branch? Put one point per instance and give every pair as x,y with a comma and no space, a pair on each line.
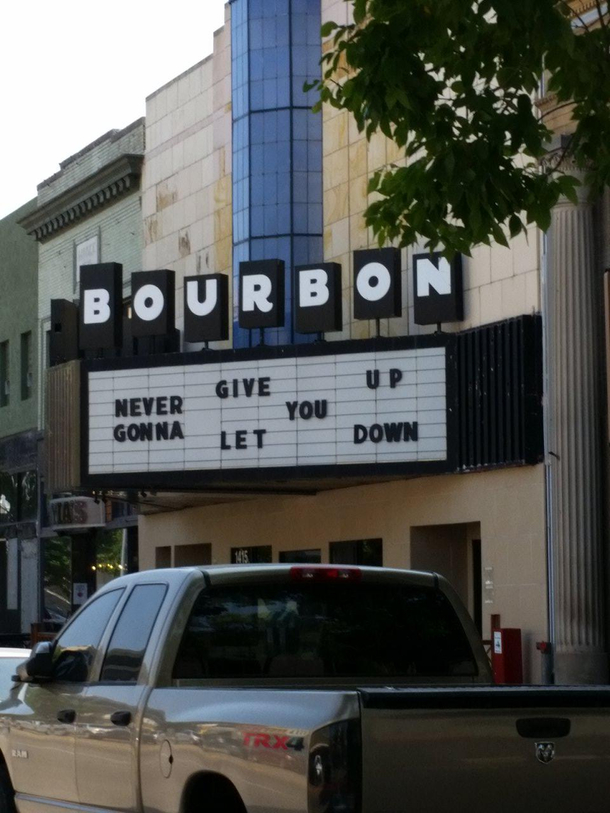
602,20
571,103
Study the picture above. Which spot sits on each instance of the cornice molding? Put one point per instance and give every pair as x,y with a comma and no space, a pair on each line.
85,198
581,6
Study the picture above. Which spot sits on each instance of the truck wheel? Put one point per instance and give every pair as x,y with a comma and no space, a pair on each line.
7,794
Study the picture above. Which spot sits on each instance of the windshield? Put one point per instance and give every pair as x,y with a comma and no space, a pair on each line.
323,630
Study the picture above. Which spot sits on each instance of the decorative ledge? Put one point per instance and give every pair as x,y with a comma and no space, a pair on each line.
85,198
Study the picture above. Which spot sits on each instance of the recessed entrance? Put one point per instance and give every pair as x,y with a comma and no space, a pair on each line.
454,551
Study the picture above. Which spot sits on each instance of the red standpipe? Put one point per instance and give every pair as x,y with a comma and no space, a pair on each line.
507,656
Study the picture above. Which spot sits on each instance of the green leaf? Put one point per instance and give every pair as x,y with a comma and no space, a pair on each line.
452,83
328,28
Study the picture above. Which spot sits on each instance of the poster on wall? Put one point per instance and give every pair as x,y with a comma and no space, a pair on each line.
289,413
87,252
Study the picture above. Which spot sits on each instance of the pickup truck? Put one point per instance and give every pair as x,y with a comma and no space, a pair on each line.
289,689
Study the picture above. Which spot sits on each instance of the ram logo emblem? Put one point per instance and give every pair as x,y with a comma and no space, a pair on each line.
545,752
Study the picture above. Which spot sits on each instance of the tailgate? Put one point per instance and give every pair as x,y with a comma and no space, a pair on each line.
486,749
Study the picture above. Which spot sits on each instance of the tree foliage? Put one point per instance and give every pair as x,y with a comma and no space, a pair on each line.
453,83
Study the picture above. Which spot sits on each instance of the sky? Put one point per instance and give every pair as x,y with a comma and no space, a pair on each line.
71,71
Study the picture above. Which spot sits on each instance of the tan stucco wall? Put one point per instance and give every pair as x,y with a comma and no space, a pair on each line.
508,504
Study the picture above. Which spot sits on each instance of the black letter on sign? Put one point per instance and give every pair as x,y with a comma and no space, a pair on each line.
261,294
395,378
372,379
101,311
377,284
412,431
318,304
176,431
152,303
438,289
260,433
206,308
361,433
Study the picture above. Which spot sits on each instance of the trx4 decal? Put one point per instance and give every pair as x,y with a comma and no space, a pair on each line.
273,741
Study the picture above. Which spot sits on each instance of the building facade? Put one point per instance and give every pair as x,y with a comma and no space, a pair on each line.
19,437
217,187
89,212
385,437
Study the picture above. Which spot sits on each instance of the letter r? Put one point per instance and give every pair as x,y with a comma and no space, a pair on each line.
256,290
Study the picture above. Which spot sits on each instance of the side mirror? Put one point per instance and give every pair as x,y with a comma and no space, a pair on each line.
39,666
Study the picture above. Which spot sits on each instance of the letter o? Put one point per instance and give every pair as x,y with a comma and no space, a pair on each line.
373,282
306,410
149,312
133,431
376,433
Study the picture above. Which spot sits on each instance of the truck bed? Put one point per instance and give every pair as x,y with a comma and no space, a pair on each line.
491,749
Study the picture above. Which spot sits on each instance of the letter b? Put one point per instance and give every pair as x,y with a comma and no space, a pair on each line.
96,307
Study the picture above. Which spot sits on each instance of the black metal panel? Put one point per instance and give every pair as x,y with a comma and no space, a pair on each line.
500,394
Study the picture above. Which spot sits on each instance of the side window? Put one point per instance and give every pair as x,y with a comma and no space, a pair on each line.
76,648
130,637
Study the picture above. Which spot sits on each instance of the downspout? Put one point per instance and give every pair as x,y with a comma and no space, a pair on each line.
549,656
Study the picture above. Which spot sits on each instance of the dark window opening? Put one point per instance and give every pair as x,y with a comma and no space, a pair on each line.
4,374
364,552
301,557
26,366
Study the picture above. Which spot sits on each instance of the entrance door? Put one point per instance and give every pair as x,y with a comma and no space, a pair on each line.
454,551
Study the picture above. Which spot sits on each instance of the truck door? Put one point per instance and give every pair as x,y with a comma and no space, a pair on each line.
106,747
43,718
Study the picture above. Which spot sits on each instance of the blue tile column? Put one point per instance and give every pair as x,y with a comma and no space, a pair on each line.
277,142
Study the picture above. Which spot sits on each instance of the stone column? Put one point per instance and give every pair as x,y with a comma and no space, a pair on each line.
575,351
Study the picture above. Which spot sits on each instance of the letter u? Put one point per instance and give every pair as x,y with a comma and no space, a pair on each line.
321,409
372,379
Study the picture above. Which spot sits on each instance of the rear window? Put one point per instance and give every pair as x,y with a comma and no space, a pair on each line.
323,631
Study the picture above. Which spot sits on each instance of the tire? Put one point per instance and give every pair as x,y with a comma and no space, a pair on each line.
7,794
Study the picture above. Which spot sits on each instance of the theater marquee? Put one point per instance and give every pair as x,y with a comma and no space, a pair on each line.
341,409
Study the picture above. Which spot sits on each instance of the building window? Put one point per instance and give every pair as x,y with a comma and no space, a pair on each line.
301,557
366,552
9,487
256,555
26,366
18,497
4,374
277,143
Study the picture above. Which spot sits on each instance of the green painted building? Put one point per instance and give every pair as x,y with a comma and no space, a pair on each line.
19,436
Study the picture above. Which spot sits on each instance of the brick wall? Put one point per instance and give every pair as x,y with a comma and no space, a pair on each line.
93,157
18,273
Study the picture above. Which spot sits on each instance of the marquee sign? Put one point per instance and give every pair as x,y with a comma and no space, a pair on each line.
344,408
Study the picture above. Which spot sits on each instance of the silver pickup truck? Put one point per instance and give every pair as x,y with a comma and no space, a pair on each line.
284,689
